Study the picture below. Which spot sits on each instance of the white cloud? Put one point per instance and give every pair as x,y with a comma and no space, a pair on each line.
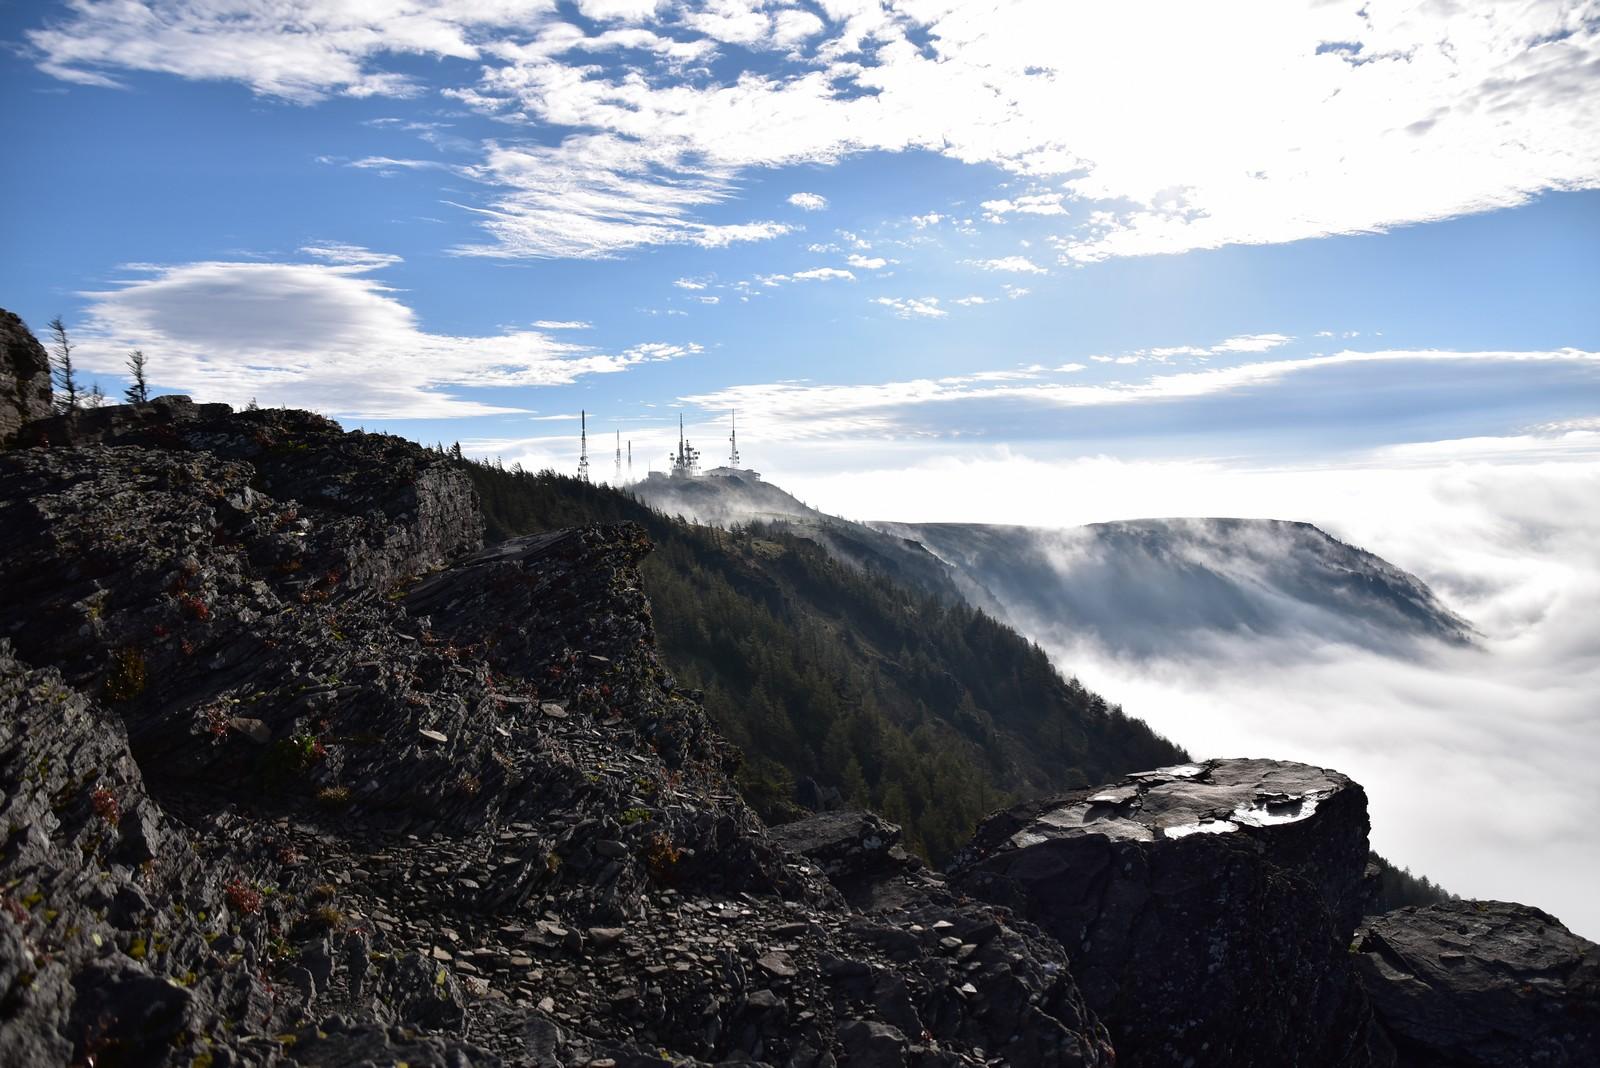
908,308
968,301
922,222
808,201
627,10
823,274
816,274
596,196
1251,343
1270,136
867,263
562,324
351,255
689,283
780,404
1014,264
1031,204
1478,764
326,336
792,27
300,52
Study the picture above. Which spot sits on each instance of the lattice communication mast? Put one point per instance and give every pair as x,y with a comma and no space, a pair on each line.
686,462
733,439
617,481
630,461
583,445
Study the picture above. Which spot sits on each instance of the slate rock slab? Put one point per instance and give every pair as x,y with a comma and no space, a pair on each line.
1483,983
1207,909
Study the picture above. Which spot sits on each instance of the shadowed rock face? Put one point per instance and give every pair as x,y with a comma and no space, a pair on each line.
1207,908
291,773
1483,983
24,376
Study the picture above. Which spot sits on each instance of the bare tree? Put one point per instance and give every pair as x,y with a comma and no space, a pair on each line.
66,380
95,397
139,391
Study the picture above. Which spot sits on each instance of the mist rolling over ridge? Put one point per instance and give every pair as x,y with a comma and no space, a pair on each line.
1460,695
1167,587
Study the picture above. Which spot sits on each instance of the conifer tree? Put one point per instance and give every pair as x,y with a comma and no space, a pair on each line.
139,391
70,398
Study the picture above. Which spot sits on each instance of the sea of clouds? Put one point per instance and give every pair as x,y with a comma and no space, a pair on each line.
1482,765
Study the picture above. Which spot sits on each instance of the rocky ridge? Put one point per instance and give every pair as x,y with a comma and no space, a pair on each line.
369,807
293,771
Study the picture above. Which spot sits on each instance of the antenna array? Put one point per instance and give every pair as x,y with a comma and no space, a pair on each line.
583,445
686,462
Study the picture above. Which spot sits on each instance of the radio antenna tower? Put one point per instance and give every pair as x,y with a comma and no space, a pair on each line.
686,464
617,481
630,461
583,445
733,439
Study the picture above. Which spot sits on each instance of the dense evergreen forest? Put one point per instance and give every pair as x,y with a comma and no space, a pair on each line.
920,707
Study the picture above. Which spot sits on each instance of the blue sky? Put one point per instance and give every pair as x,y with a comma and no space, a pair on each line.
461,221
1012,261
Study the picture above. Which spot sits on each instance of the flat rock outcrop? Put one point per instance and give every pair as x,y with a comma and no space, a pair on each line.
24,377
1482,983
1207,908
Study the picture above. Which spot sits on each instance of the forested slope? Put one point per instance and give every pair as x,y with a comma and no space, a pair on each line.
922,708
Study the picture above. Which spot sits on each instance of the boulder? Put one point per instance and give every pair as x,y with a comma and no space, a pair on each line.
853,848
1207,909
1482,983
24,377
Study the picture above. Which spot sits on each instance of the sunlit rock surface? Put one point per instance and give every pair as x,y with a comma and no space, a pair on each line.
1206,908
1483,983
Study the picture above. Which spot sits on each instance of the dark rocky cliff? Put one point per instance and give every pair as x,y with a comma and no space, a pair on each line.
24,377
292,771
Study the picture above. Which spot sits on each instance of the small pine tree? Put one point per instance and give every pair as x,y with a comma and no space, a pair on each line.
95,397
139,391
66,379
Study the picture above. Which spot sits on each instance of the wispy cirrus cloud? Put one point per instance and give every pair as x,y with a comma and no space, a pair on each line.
1419,114
890,405
599,195
325,335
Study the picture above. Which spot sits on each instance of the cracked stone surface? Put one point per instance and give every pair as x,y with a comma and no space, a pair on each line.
1485,983
1207,908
